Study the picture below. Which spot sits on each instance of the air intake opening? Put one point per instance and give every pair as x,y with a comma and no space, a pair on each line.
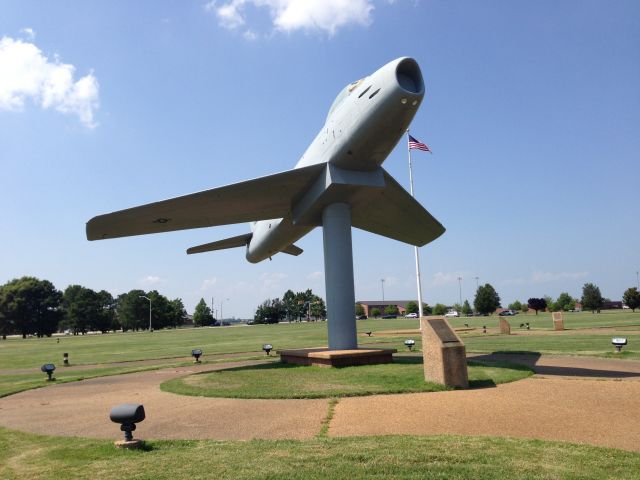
409,76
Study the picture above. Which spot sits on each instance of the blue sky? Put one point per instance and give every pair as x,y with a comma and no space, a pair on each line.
532,111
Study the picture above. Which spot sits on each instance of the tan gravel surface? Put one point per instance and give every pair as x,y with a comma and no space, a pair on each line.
82,409
573,399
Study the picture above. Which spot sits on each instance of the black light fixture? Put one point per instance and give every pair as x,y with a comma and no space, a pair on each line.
48,368
127,415
368,333
618,342
267,347
484,329
65,359
196,353
409,343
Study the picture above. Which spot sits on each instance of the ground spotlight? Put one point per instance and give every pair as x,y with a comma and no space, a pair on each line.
267,347
48,368
65,359
127,415
196,353
618,342
484,329
368,333
409,343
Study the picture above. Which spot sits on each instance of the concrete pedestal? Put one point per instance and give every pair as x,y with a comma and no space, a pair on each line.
444,354
130,444
325,357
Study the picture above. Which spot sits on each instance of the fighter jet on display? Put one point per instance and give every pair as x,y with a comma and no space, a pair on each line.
364,124
337,183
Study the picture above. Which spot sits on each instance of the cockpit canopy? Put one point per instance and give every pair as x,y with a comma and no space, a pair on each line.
346,91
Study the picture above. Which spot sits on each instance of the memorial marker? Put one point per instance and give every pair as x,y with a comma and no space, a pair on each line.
444,354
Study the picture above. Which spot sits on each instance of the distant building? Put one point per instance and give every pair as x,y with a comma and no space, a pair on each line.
369,305
611,305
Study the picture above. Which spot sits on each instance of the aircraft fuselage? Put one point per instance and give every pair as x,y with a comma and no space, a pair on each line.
363,126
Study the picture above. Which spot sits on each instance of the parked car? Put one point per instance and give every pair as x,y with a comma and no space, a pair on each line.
389,316
452,313
411,315
508,313
361,317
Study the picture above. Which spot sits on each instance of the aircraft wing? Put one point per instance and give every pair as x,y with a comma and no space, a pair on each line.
258,199
393,212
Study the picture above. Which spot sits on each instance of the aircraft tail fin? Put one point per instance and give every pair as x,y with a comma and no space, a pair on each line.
293,250
232,242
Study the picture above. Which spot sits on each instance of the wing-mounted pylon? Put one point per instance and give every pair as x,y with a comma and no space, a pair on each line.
378,203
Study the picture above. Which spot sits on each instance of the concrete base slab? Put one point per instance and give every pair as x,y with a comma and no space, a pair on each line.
324,357
130,444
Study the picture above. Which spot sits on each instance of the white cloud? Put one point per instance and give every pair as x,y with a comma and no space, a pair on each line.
28,33
250,35
271,280
315,276
27,73
150,280
289,15
544,277
439,279
208,283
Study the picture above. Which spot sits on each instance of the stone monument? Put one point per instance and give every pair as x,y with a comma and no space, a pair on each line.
558,322
445,359
505,326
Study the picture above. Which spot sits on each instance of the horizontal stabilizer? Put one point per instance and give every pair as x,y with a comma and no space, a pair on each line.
394,213
258,199
233,242
293,250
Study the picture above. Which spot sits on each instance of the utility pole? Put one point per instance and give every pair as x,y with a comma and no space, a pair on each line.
150,327
382,284
460,290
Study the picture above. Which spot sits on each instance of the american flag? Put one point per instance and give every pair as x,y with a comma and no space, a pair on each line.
416,144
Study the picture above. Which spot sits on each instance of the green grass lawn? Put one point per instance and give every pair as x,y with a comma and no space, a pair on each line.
276,380
170,344
14,383
26,457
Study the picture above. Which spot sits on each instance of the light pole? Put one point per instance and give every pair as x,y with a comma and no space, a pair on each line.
460,290
477,284
638,279
382,284
150,327
222,303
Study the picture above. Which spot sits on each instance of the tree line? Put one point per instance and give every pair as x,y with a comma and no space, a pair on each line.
291,307
30,306
487,301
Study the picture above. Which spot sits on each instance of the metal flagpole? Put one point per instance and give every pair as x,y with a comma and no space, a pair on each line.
415,249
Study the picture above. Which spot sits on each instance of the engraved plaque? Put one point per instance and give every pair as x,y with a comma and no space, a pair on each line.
443,330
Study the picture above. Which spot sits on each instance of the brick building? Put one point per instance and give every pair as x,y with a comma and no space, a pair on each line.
369,305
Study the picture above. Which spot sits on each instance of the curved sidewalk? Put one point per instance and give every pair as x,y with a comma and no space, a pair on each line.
583,400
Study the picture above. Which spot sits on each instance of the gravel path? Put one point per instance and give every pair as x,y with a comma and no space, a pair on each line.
577,399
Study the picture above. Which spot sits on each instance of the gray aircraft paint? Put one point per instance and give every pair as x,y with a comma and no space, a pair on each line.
341,169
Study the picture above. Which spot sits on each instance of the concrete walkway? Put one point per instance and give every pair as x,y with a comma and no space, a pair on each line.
577,399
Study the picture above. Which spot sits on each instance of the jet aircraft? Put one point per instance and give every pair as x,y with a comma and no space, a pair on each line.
337,183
